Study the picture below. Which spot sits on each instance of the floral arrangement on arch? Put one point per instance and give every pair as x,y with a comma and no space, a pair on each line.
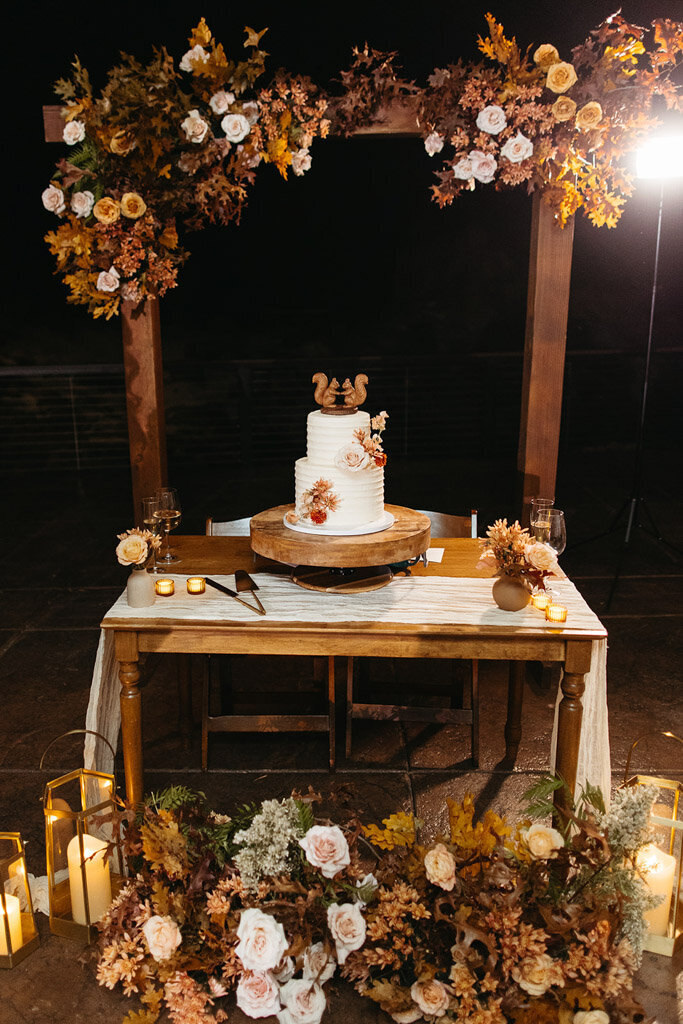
136,547
486,925
164,144
511,551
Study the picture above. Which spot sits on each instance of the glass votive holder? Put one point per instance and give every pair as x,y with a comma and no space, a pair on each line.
555,613
196,584
541,600
164,587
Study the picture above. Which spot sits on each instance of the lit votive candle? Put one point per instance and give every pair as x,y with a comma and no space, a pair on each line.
14,921
555,613
196,584
164,587
657,869
540,600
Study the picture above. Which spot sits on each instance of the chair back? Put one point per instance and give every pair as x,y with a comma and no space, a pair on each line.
231,528
444,525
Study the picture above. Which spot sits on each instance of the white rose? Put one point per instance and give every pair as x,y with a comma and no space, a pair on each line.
347,927
517,149
82,203
262,942
301,161
352,457
431,996
536,974
541,556
194,57
221,101
53,199
434,143
464,169
319,966
590,1017
284,970
440,867
163,937
326,848
491,119
258,994
483,166
195,127
108,280
250,110
235,126
304,1002
73,132
543,842
362,883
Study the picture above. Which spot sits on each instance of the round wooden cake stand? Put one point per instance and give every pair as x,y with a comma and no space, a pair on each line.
341,564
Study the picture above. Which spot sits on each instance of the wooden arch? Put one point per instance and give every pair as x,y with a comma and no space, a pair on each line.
550,260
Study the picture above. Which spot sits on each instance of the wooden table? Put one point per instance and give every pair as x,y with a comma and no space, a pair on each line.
265,635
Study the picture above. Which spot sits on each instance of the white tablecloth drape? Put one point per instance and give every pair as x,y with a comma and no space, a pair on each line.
437,600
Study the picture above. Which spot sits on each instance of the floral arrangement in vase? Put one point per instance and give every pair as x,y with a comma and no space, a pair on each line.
489,924
136,547
511,551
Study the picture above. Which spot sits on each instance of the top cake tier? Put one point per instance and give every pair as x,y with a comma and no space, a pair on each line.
325,435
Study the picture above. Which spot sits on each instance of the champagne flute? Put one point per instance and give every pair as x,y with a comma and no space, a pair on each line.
149,507
168,515
538,520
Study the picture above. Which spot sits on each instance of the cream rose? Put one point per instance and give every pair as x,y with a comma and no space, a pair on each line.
132,550
162,934
318,964
262,942
258,994
352,457
546,55
193,58
82,203
235,126
407,1016
589,116
347,927
73,132
221,101
464,169
106,210
517,148
491,119
543,841
440,867
432,997
541,556
536,974
564,108
483,166
195,127
301,162
590,1017
108,280
53,199
326,848
132,205
434,143
303,1002
561,77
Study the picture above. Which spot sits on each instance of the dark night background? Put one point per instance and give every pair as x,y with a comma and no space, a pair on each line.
352,264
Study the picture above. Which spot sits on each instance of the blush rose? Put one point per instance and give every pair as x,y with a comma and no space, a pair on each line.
73,132
258,994
590,1017
319,966
221,101
108,280
536,974
483,166
432,997
434,143
132,550
541,556
326,848
543,842
347,928
82,203
352,457
491,119
517,148
53,199
301,162
193,58
162,934
262,942
440,867
195,127
235,126
303,1002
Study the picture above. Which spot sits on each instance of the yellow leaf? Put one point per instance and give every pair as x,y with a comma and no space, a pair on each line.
165,171
399,831
201,35
253,38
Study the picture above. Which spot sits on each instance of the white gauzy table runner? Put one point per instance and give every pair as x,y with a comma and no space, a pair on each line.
419,600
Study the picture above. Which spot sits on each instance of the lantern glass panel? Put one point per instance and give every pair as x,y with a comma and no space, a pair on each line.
18,932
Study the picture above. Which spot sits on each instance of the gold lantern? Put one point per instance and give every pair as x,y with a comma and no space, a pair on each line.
18,932
84,865
660,862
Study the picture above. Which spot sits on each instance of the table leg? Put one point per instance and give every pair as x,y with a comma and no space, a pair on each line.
577,664
131,714
513,725
331,709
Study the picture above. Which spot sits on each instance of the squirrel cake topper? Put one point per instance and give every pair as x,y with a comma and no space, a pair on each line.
339,400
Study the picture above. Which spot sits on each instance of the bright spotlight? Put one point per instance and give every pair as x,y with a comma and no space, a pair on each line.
661,158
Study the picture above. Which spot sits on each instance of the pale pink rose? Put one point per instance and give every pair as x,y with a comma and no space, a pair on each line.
464,169
82,203
431,996
407,1016
284,970
541,556
517,148
194,58
221,101
352,457
326,848
483,166
163,937
301,161
440,867
536,974
73,132
434,143
108,280
53,199
347,928
590,1017
132,550
303,1002
491,119
319,966
487,560
543,842
250,110
195,127
235,126
258,995
262,942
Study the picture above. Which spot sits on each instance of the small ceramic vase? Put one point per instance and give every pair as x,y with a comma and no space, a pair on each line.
140,589
509,594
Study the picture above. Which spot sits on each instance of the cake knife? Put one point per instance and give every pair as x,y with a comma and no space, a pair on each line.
231,593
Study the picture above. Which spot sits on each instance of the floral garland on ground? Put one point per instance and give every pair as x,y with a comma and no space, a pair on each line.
485,926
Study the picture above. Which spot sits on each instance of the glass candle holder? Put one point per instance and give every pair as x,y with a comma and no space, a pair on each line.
555,613
196,584
164,587
540,600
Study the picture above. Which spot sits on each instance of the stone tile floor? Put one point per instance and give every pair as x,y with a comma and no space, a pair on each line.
59,577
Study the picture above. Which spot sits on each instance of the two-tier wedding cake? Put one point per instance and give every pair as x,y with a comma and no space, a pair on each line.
339,484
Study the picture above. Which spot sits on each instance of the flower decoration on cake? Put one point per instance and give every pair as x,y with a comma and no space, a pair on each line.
366,444
316,502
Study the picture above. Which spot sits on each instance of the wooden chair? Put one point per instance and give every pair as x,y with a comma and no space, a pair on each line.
443,525
260,722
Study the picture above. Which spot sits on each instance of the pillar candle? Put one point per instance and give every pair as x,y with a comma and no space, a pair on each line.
96,876
15,933
657,869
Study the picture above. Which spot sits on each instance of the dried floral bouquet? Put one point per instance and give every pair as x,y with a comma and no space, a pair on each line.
485,926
